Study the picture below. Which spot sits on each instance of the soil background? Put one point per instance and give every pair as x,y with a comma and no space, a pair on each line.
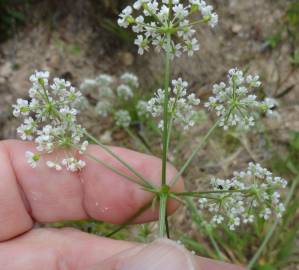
78,40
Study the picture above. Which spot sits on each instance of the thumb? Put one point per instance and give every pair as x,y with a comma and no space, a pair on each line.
162,254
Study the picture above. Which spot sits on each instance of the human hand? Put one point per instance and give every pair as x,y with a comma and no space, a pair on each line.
43,195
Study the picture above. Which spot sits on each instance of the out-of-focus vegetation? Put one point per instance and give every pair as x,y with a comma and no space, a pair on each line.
12,15
287,31
16,13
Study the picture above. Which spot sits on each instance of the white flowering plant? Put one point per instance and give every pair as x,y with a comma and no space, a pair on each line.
50,117
118,98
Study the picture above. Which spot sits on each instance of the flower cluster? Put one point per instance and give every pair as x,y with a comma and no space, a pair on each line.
234,103
250,193
50,120
161,18
180,107
115,94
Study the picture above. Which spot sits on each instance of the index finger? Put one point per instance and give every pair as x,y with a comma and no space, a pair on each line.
44,195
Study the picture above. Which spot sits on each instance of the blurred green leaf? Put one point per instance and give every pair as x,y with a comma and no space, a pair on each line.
194,245
273,41
266,267
294,143
295,58
293,13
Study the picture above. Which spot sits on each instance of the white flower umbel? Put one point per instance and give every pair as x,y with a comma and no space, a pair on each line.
113,95
141,108
253,193
234,101
130,79
156,19
104,108
50,120
124,91
122,118
181,105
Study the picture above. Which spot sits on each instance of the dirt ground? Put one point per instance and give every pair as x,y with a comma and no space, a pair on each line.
77,48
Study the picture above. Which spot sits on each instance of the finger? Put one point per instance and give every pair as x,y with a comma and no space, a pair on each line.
44,195
162,254
55,249
72,249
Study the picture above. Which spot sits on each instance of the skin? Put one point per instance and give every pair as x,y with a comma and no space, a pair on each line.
43,195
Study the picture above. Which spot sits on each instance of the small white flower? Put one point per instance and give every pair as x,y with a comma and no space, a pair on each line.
32,159
180,11
54,165
27,130
83,147
73,165
125,17
40,78
208,14
142,43
21,108
191,46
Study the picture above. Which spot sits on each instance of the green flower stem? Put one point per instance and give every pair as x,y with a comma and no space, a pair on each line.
203,193
163,198
128,166
267,238
194,153
194,23
165,108
169,130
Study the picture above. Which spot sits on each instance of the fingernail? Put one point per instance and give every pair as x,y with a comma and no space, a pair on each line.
162,254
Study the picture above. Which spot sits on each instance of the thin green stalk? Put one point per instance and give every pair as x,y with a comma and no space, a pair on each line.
189,160
202,193
162,214
165,108
198,221
145,140
273,228
140,142
128,166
